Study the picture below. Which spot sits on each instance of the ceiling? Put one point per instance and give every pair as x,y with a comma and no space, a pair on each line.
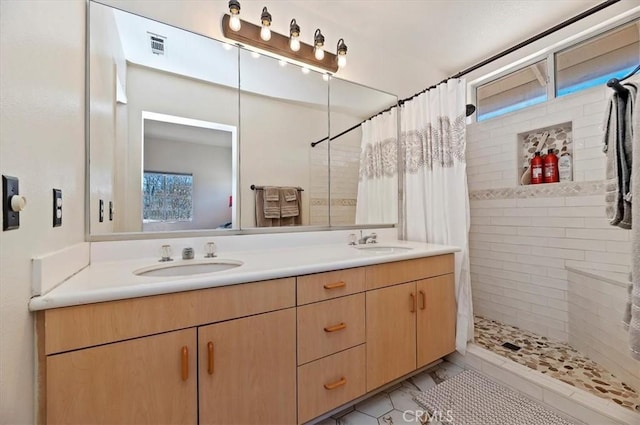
412,44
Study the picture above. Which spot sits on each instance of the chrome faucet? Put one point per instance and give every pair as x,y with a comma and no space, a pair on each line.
372,238
165,253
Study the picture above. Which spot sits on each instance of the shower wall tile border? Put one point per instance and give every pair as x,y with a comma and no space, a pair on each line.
552,190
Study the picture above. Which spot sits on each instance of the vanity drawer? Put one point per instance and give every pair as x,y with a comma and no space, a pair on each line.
330,326
381,275
324,286
330,382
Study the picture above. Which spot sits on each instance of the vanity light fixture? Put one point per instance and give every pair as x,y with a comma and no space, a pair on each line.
342,53
318,45
265,18
263,39
294,35
234,10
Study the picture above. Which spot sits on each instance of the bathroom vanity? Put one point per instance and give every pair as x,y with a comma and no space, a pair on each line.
283,350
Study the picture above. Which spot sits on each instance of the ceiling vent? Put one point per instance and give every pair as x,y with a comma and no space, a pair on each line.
157,43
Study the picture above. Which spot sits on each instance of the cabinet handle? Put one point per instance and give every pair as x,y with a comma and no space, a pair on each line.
423,301
334,385
412,307
335,285
210,358
334,328
185,363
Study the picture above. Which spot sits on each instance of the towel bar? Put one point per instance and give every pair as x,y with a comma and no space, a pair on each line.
254,187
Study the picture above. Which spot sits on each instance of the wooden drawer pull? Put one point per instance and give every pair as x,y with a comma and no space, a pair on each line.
185,363
334,328
412,305
335,285
334,385
210,358
423,300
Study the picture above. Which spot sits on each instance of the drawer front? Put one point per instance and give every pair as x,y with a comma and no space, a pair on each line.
330,382
70,328
381,275
330,326
328,285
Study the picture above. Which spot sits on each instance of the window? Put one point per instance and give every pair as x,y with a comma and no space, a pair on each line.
522,88
574,67
593,62
167,197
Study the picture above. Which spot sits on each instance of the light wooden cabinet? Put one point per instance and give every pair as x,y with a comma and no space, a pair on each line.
409,325
391,333
247,372
281,351
148,380
436,319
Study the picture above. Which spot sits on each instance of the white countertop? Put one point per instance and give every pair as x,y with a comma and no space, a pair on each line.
115,280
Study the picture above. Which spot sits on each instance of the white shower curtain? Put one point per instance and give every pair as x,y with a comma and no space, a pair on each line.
378,181
436,201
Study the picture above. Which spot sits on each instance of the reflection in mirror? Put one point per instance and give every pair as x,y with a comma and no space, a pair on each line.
163,125
188,171
283,108
364,175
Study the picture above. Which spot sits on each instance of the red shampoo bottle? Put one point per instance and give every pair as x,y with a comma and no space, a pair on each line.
551,174
536,169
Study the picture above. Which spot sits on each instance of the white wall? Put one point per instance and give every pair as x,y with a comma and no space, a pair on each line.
211,167
596,304
41,143
522,237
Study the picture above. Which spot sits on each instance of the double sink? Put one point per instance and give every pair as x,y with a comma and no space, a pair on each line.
212,265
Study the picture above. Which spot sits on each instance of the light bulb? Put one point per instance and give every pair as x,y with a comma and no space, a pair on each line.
342,61
319,53
234,23
294,43
265,33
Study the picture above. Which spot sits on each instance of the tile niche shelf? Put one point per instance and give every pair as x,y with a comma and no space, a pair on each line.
560,139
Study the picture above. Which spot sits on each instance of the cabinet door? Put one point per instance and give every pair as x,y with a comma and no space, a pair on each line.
148,380
247,371
391,333
436,318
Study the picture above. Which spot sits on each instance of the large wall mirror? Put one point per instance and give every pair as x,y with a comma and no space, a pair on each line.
190,133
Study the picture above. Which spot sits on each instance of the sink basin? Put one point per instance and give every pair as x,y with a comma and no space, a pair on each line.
187,268
382,249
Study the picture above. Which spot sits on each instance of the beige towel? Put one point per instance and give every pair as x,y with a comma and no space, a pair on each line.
288,203
272,202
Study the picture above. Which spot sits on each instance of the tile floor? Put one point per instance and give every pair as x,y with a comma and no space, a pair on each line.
396,404
556,359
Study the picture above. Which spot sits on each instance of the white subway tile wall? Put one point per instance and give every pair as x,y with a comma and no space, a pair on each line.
492,146
595,319
521,238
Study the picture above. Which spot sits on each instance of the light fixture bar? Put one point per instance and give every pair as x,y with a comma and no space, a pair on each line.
249,34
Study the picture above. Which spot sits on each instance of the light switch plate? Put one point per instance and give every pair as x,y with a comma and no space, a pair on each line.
57,207
10,218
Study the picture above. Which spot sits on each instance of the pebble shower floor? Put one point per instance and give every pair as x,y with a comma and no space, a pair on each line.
556,359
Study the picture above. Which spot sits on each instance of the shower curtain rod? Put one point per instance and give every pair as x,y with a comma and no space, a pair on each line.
561,25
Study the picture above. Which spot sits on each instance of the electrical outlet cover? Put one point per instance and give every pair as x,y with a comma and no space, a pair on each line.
57,207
